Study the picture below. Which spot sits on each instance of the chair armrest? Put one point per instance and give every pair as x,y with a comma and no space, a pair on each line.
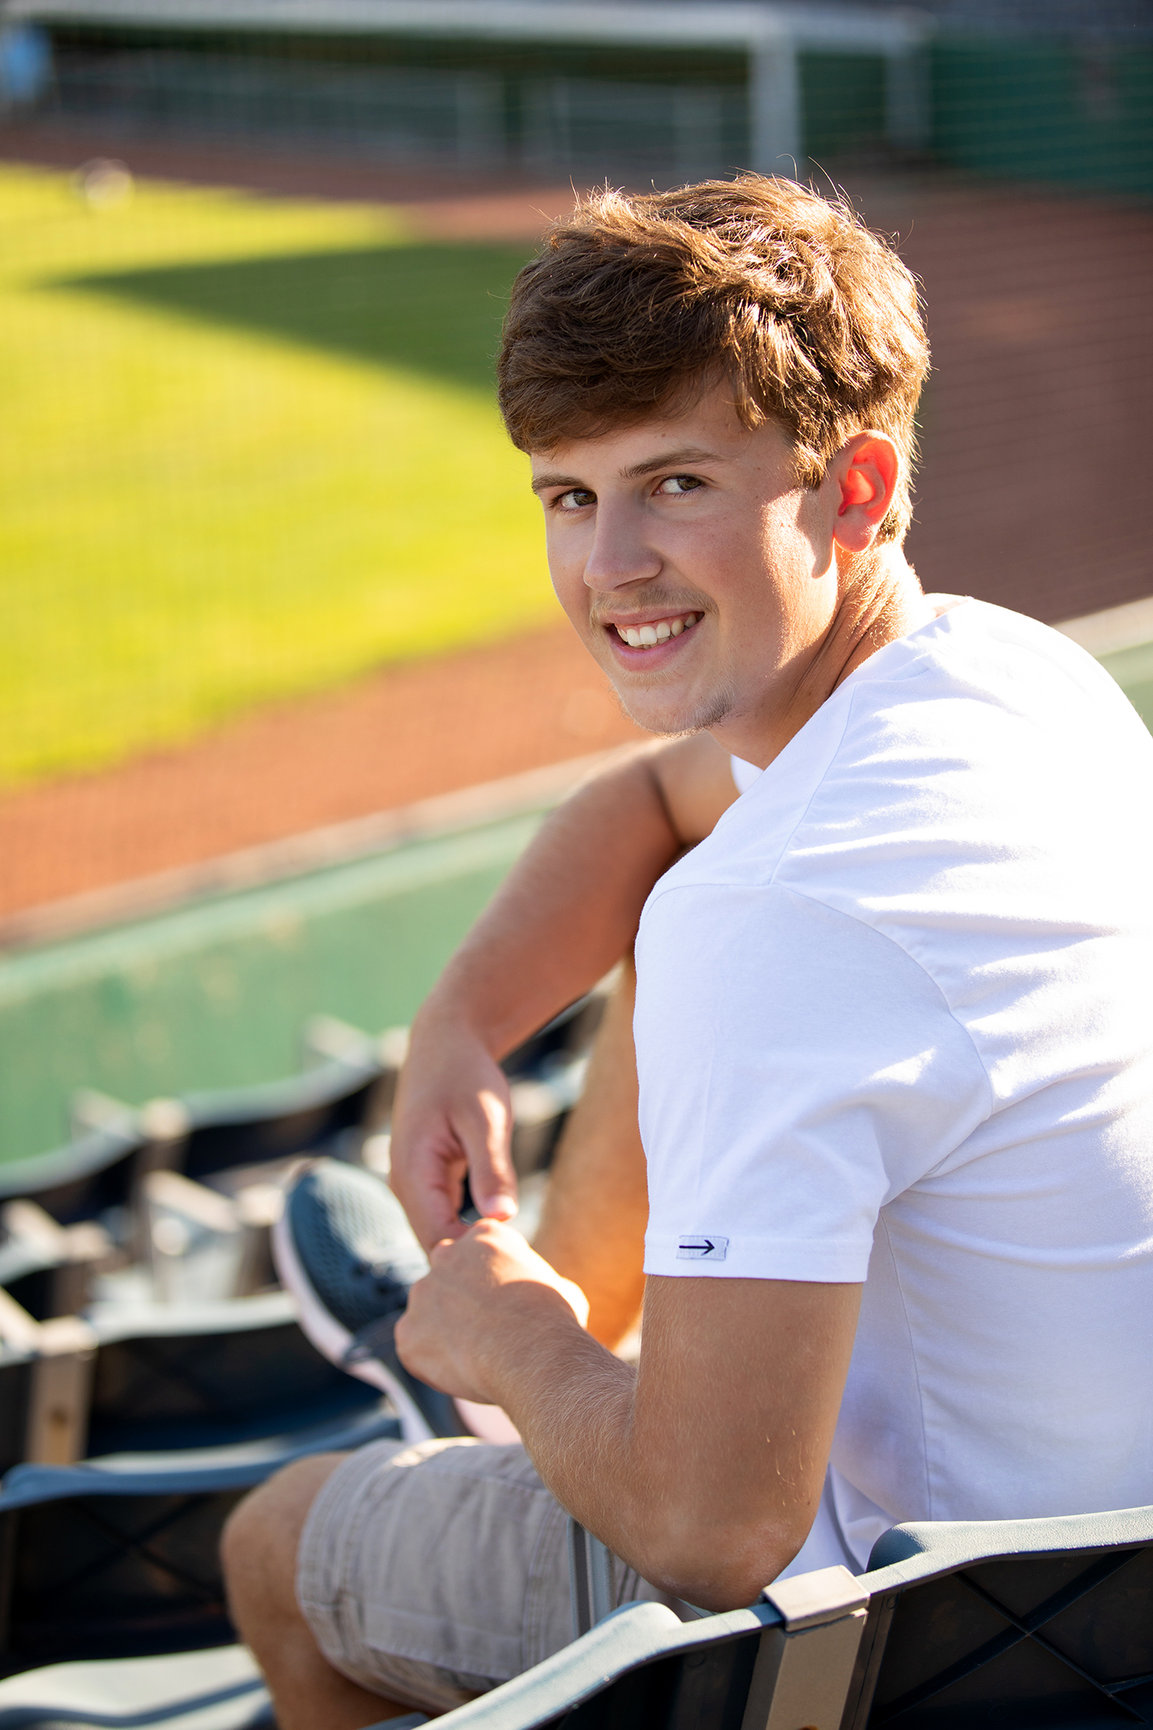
917,1551
633,1635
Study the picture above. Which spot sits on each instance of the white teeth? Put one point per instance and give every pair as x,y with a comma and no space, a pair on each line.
648,636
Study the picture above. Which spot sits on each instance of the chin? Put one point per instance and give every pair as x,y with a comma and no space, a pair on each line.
669,720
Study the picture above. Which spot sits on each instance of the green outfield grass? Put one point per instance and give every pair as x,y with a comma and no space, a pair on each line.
249,451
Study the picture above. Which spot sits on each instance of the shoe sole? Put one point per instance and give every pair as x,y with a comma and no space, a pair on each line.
334,1342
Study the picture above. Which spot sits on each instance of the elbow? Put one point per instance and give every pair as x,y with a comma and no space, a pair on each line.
715,1567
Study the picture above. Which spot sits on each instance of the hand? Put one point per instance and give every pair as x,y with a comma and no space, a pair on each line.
452,1115
482,1311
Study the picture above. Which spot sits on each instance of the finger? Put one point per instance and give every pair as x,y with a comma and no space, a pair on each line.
492,1179
429,1190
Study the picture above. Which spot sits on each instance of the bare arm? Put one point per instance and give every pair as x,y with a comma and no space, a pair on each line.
566,913
569,908
703,1468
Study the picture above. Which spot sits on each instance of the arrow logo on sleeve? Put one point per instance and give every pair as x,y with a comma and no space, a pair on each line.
702,1248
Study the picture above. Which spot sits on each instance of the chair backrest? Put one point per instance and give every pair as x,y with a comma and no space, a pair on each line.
1015,1623
204,1376
1019,1624
778,1666
566,1035
93,1174
639,1667
122,1560
310,1113
16,1370
202,1135
98,1564
28,1274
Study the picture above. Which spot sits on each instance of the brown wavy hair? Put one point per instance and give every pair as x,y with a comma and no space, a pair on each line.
637,305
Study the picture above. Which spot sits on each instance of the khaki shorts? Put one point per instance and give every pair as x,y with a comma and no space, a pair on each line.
430,1573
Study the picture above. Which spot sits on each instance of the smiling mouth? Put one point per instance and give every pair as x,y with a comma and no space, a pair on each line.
648,636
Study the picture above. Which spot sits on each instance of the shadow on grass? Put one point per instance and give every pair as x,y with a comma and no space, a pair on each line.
433,309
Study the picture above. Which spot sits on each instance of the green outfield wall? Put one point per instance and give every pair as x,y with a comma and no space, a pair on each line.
215,994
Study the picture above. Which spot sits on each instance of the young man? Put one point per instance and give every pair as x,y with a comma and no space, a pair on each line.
893,1023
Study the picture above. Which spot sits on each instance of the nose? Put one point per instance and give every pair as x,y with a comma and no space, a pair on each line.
620,552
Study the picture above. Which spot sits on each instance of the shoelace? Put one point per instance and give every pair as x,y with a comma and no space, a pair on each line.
387,1286
381,1274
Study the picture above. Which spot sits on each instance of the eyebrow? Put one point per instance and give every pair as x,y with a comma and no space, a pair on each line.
651,465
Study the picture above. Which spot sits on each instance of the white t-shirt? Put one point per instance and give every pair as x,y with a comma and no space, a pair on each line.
895,1024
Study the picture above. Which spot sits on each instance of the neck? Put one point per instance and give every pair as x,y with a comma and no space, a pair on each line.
880,599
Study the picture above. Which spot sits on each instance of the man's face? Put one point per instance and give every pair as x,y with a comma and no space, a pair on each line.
697,571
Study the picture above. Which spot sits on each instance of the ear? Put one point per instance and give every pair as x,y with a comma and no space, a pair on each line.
865,472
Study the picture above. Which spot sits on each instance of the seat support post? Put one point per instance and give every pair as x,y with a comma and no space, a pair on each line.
57,1433
804,1665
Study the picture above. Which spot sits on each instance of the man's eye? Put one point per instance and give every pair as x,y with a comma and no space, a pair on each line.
575,499
680,484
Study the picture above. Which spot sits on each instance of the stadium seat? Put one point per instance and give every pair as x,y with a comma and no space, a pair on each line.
216,1690
48,1268
212,1375
45,1375
329,1108
569,1034
89,1178
100,1175
149,1380
1013,1622
16,1370
956,1626
109,1570
106,1580
110,1564
1018,1624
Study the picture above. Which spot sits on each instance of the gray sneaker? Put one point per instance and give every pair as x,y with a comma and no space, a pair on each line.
345,1250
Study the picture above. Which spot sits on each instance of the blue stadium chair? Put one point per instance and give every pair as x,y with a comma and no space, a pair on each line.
16,1371
147,1380
110,1571
46,1267
210,1376
93,1175
1015,1625
567,1035
959,1626
104,1578
327,1110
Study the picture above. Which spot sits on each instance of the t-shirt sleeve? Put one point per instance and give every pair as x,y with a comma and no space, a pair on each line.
798,1069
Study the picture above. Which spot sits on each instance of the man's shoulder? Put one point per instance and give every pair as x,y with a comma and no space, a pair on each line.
981,768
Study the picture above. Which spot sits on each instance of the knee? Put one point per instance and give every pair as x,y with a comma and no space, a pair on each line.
261,1538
